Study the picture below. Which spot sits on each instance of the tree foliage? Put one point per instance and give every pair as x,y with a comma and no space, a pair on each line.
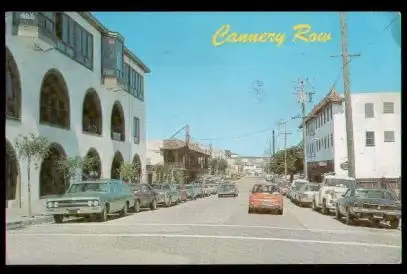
128,171
295,158
32,148
219,165
71,166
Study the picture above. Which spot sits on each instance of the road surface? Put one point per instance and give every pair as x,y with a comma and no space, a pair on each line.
207,231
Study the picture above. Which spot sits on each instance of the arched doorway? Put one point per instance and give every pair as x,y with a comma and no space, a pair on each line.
117,123
137,166
92,120
13,88
95,171
54,101
52,181
116,163
12,172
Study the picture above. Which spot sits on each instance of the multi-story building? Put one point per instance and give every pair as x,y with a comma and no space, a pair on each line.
376,132
73,81
189,157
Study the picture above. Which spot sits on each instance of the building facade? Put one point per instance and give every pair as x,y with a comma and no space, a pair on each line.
376,131
73,81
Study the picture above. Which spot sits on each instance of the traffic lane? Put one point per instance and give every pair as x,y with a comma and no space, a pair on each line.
186,249
339,237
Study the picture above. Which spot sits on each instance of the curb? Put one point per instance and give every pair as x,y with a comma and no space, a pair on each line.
34,221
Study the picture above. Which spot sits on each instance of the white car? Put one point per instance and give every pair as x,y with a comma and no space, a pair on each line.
332,188
305,195
295,187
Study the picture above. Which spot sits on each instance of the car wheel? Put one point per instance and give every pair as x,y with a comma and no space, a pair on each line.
137,206
376,223
337,214
394,224
281,212
299,204
153,205
58,219
168,202
314,206
123,212
324,209
348,218
103,215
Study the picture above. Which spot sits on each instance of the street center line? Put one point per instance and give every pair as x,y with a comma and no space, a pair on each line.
382,232
207,237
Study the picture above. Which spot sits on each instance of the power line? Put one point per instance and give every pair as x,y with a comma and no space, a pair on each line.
236,136
333,86
364,48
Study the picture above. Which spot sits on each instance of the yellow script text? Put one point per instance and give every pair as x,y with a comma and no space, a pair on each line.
303,32
223,36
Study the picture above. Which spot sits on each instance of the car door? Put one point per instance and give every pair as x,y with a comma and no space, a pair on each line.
320,193
113,196
150,194
146,195
128,195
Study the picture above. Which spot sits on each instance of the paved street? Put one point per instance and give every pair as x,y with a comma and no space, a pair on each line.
206,231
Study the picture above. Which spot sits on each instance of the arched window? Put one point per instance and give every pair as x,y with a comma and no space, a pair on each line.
116,163
95,171
92,120
13,88
54,101
52,181
117,127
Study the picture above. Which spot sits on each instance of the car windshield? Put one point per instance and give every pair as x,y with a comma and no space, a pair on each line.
166,187
265,189
88,187
374,194
158,187
190,187
227,187
135,187
178,187
298,185
314,187
336,182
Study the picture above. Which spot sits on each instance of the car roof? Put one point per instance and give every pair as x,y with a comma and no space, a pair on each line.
300,181
99,181
338,177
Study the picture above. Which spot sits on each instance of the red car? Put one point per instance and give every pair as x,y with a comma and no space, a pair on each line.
266,197
183,193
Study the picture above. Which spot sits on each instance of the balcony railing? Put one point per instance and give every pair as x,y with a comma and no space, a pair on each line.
46,26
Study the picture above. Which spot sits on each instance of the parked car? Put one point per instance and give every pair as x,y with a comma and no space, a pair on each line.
88,199
306,193
207,190
295,187
191,192
376,205
168,194
228,190
144,197
266,197
331,190
182,192
199,190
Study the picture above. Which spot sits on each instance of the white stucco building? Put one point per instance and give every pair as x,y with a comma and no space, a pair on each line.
73,81
376,130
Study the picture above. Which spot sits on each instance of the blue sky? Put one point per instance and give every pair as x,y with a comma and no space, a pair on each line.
212,88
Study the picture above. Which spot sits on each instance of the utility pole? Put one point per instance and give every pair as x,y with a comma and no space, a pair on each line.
348,102
274,143
303,98
285,134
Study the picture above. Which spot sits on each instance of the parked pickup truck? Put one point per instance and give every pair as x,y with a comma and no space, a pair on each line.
331,190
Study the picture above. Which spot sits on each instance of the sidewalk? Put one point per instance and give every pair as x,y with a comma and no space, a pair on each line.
18,218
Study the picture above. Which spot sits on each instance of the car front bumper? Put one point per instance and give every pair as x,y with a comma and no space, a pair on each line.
374,213
74,211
